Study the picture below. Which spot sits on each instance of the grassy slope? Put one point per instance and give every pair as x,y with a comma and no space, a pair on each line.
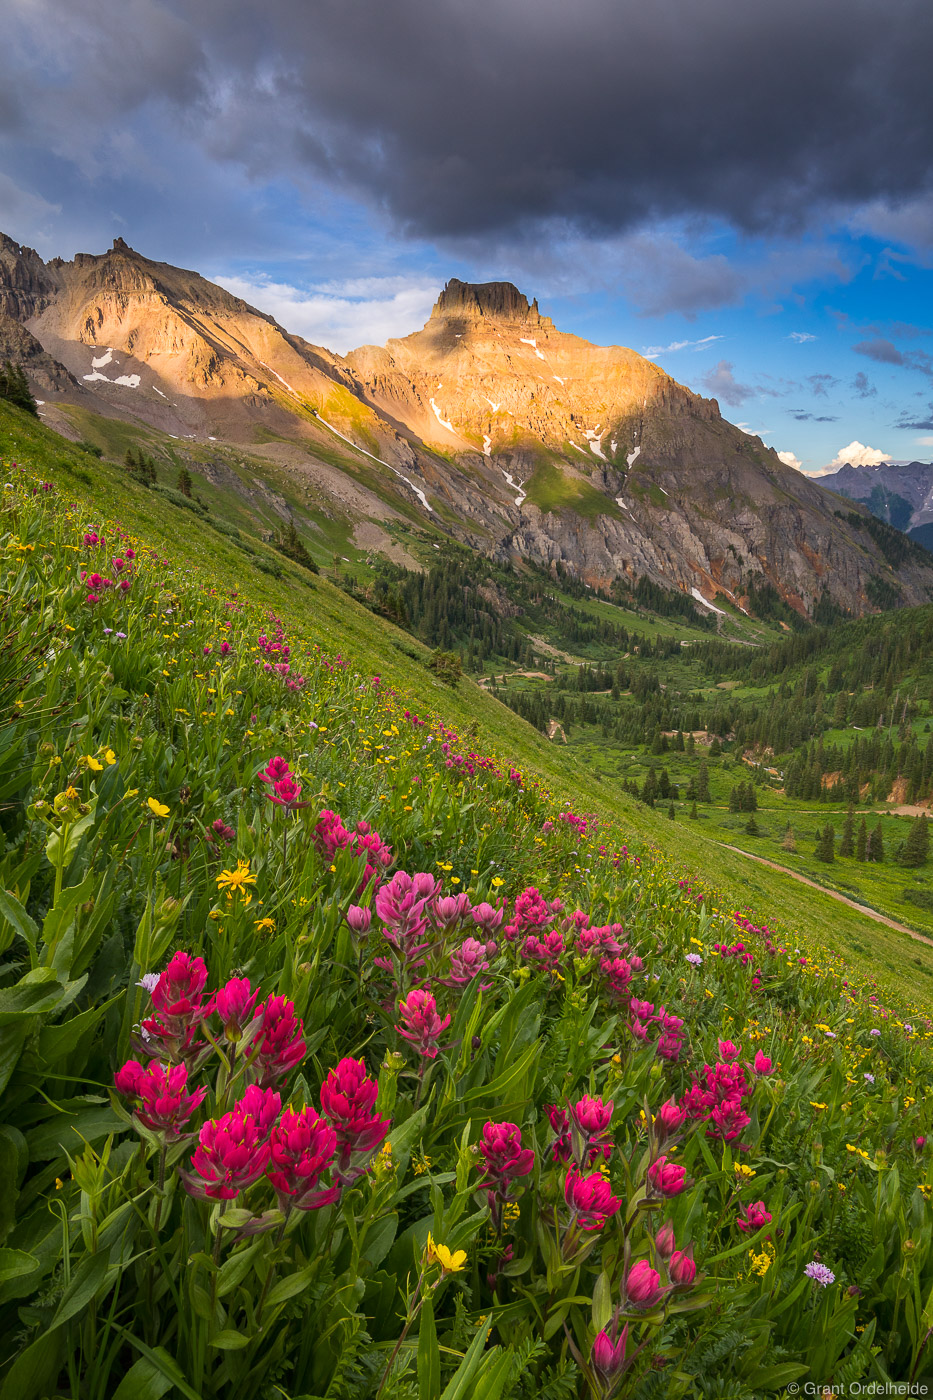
324,613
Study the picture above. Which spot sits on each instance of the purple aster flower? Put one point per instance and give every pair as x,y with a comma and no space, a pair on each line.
694,958
874,1031
869,1079
820,1274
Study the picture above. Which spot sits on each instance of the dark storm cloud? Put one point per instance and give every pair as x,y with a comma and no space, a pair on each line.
486,118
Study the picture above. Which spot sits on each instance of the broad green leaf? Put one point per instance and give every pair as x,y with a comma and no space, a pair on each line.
289,1286
229,1340
14,920
143,1381
14,1263
165,1364
92,1278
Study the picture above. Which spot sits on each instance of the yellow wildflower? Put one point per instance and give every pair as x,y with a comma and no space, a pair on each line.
158,809
90,762
440,1254
235,881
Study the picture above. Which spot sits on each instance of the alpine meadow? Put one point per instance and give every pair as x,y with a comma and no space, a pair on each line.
466,679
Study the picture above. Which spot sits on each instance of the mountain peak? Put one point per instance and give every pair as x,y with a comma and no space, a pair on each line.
500,301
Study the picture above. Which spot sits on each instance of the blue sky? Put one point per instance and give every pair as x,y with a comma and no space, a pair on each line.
744,194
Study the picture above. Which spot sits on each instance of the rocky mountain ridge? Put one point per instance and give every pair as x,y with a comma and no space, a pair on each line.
898,492
489,424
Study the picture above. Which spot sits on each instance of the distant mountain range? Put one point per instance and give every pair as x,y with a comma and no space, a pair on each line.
490,425
899,492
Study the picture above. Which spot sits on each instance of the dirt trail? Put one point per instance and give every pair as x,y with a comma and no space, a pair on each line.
833,894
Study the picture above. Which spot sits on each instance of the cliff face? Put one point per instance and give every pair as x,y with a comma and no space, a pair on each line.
619,470
489,423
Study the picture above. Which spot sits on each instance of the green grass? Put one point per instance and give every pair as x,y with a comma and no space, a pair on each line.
324,612
551,489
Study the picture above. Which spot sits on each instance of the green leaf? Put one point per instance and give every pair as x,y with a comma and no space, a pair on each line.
92,1279
379,1240
429,1358
12,1039
35,994
407,1133
602,1302
14,1263
497,1369
67,1132
460,1385
235,1219
35,1370
229,1340
775,1377
143,1381
56,1042
162,1361
14,920
290,1285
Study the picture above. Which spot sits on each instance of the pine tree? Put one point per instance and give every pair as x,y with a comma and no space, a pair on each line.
14,387
694,814
916,848
703,782
875,849
670,812
184,482
861,841
789,842
751,826
691,743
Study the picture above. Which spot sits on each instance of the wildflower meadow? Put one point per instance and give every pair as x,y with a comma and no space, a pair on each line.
342,1059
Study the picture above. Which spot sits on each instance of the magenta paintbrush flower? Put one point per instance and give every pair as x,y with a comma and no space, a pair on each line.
667,1178
279,1045
608,1358
286,792
504,1158
641,1286
421,1024
468,961
276,769
348,1102
590,1199
681,1268
233,1151
235,1004
302,1148
178,996
755,1217
162,1102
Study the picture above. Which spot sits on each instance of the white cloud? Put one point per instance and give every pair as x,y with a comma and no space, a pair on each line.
924,441
801,337
791,460
653,350
342,315
858,455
